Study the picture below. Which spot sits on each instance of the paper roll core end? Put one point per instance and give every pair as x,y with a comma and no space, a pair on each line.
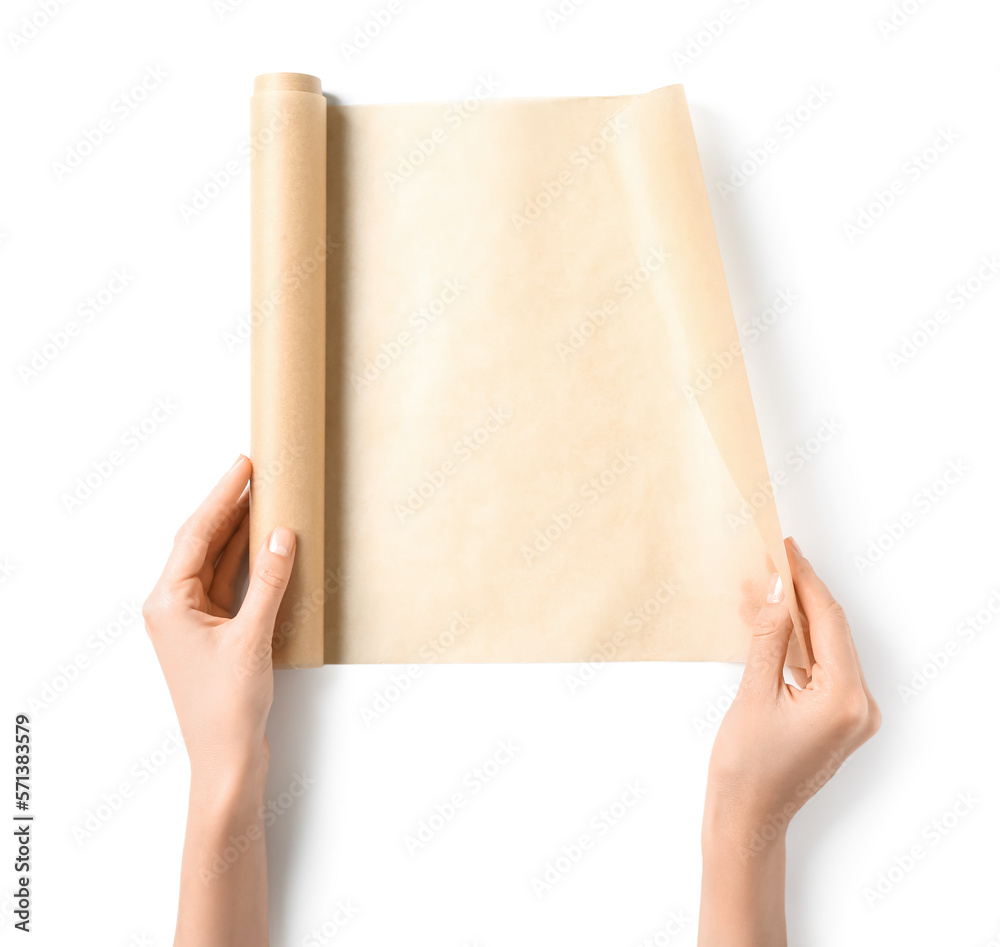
287,82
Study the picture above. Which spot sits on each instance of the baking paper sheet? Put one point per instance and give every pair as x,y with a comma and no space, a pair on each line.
497,389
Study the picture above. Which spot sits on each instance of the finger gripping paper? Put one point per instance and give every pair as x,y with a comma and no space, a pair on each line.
497,389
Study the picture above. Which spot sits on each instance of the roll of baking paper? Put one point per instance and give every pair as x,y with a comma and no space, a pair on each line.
288,355
539,441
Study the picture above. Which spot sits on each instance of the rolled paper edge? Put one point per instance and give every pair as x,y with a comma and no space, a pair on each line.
287,82
288,363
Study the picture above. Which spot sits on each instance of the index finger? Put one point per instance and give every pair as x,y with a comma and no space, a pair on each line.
209,526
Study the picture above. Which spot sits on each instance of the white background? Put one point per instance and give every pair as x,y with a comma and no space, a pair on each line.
67,575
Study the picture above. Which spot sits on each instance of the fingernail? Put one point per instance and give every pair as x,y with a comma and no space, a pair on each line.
239,460
795,546
776,594
282,541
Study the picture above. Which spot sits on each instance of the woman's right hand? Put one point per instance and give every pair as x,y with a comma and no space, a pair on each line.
778,745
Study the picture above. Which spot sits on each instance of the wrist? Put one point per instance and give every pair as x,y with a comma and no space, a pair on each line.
225,836
232,782
743,831
742,890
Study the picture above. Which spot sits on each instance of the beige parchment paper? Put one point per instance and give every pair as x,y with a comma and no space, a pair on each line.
497,389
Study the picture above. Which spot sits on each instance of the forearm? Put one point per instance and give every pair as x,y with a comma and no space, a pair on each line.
224,868
743,884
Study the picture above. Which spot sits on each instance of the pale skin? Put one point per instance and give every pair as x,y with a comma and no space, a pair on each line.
217,663
775,748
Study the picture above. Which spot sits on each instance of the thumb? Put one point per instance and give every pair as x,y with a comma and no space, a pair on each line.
769,644
271,572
